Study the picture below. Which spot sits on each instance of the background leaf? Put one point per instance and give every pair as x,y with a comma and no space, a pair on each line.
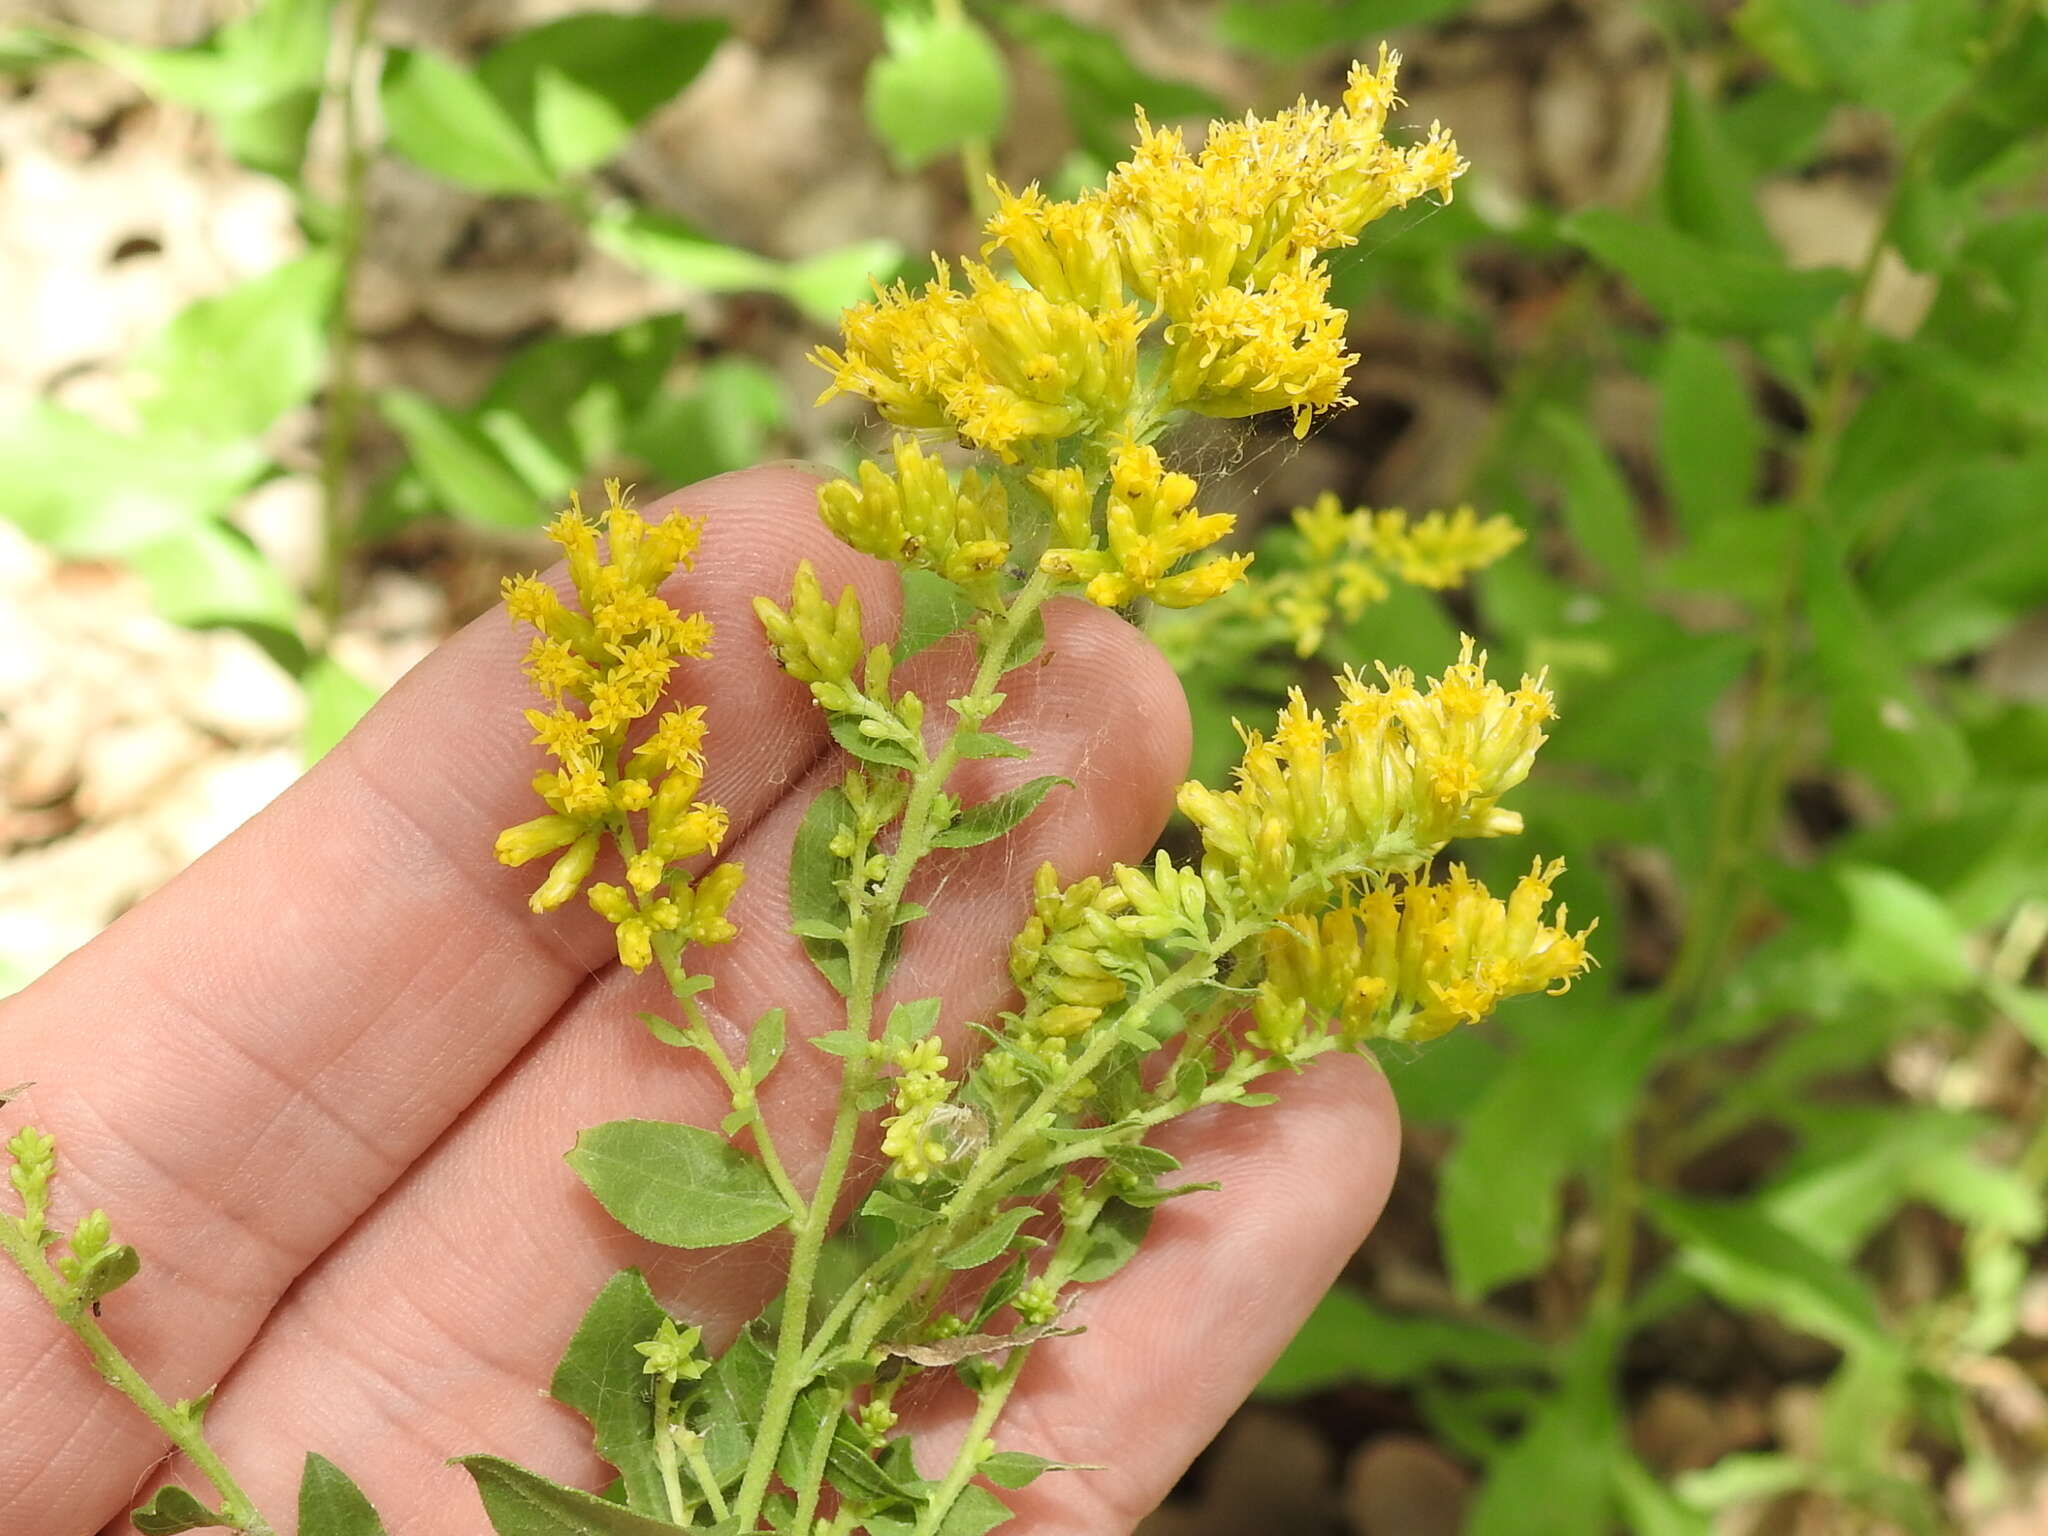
679,1185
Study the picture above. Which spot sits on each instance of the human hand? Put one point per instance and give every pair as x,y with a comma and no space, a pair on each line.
323,1082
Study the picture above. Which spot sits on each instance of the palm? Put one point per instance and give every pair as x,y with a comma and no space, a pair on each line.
324,1084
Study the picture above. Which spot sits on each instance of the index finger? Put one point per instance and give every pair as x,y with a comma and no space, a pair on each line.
326,991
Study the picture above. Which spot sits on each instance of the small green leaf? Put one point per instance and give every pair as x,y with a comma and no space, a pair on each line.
765,1043
212,574
991,1242
1020,1469
1599,508
1113,1241
679,1185
933,608
603,1377
174,1510
1724,293
980,744
940,84
823,285
1708,440
989,820
466,470
1901,938
910,1217
1707,190
815,872
330,1504
335,700
882,752
909,1023
1348,1338
445,120
523,1503
668,248
577,87
734,1389
108,1272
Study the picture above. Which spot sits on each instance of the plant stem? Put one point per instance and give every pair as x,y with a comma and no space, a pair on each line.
181,1427
867,942
344,392
968,1457
665,1450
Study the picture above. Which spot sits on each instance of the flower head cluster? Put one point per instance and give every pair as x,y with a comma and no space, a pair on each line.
1190,282
1414,961
1400,772
1347,557
1152,526
602,667
916,1137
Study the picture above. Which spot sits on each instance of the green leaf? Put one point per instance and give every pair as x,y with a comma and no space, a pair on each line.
211,574
1881,723
603,1377
989,820
823,285
991,1242
332,1505
578,87
940,84
171,1511
1750,1261
845,729
1113,1241
909,1023
724,421
1598,507
108,1272
1648,1507
1020,1469
1707,191
335,700
1901,938
1724,293
1099,83
1708,440
523,1503
679,1185
980,744
815,872
765,1043
465,469
668,248
933,608
1555,1103
446,121
228,366
1567,1449
1348,1339
910,1217
735,1388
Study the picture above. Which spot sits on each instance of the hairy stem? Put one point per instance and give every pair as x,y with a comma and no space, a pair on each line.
180,1426
968,1457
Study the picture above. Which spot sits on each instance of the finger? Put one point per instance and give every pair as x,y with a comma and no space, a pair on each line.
1179,1337
427,1332
241,1065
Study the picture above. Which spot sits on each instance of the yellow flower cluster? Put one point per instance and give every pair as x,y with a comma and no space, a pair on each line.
914,1138
1400,773
1413,962
919,517
602,667
1346,555
1188,282
1152,527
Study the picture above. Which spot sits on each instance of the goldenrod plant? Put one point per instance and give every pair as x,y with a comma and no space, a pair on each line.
1019,1161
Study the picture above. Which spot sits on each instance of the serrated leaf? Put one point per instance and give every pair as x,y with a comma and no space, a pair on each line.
989,820
330,1504
171,1511
765,1044
991,1242
678,1185
603,1377
523,1503
940,83
578,86
814,875
445,120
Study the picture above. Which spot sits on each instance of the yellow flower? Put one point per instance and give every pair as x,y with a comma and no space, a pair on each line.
602,671
1411,963
919,517
1443,548
1151,527
1398,775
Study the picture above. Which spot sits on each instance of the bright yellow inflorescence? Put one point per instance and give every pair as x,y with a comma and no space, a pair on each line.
602,667
1348,555
910,1138
1400,773
1189,282
919,516
1412,962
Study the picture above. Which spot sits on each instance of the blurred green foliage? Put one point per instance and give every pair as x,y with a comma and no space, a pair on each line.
1812,831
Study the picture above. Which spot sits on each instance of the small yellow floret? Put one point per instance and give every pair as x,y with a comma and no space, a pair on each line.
1151,526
